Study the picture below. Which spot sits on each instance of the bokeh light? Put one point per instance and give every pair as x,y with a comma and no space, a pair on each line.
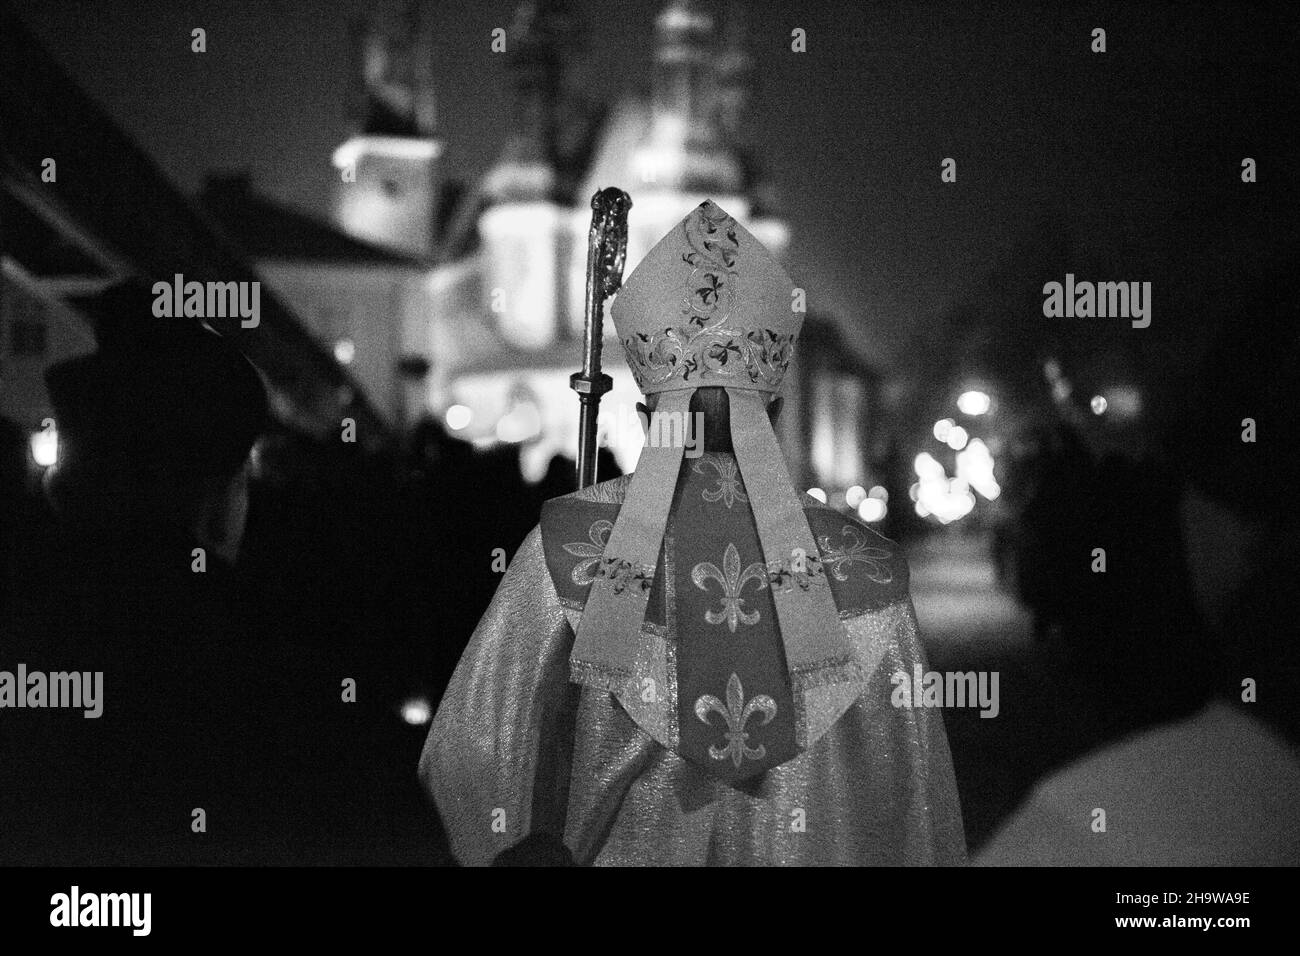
45,445
973,402
458,417
871,509
416,711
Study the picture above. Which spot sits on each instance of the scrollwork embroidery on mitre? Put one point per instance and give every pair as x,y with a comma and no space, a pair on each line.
759,355
713,281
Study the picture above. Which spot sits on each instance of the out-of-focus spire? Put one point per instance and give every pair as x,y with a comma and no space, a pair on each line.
686,148
394,76
539,41
735,75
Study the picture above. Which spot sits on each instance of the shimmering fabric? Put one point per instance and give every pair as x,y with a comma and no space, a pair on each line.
876,789
516,749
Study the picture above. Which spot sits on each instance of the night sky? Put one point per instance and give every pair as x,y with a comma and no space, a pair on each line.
1138,148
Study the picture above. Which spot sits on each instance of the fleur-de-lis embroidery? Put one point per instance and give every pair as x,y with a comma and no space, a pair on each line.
728,490
736,713
584,572
733,581
855,552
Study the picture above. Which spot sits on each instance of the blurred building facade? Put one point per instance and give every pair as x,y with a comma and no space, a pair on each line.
82,208
466,302
508,291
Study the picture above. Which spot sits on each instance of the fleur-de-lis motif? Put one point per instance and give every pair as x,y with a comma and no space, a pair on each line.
584,572
728,490
855,552
736,713
733,581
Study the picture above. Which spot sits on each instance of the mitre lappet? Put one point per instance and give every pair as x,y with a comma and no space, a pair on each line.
725,643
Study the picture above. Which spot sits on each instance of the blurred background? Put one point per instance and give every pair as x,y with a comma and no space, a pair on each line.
410,182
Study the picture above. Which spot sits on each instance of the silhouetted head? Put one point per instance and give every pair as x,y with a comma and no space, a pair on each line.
155,426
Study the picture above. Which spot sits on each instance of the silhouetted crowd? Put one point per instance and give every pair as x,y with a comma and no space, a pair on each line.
269,625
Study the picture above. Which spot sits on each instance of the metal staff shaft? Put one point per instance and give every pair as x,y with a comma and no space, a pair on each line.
606,255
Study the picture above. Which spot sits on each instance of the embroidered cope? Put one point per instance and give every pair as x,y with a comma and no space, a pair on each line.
692,664
716,777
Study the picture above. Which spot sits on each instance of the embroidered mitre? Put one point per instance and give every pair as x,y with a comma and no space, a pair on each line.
708,305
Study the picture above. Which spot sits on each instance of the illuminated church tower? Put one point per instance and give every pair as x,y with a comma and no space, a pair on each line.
525,227
387,188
